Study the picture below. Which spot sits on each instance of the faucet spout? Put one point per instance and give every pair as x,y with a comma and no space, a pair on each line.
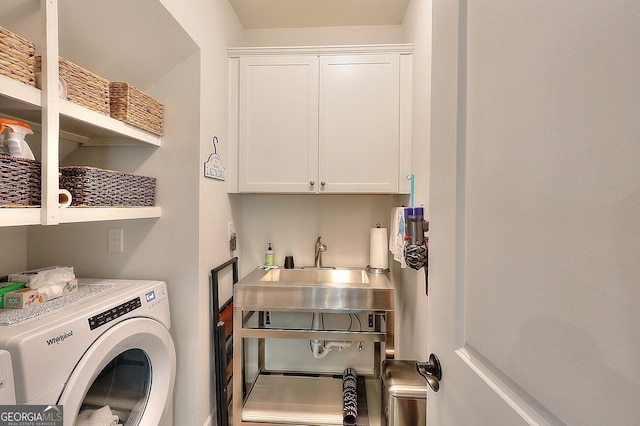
320,248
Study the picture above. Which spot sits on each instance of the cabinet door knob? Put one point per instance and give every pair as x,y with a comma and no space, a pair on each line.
312,183
322,183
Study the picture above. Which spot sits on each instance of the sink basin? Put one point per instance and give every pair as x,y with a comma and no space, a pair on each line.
326,290
317,276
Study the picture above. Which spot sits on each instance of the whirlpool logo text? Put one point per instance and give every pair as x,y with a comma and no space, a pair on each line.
60,338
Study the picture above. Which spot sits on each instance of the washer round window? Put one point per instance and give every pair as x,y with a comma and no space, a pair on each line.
123,386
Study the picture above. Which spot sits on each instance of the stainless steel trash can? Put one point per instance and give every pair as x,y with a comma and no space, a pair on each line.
404,394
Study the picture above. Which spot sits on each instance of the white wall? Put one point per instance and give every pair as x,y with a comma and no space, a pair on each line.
411,308
13,250
294,222
214,27
365,34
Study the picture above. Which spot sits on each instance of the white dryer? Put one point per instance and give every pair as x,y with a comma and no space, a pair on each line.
106,345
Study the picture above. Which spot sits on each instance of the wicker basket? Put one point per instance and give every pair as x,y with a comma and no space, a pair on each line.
19,182
93,187
133,106
83,87
16,57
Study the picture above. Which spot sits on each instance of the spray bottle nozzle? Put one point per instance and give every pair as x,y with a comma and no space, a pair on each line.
18,147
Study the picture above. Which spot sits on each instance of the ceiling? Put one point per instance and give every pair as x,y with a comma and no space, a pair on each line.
318,13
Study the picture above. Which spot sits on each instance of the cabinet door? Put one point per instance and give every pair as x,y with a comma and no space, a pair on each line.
359,123
278,124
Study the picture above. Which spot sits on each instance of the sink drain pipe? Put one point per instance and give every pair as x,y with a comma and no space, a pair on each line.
321,348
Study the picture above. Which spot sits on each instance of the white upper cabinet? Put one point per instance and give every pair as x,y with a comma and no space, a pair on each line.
359,123
321,120
278,124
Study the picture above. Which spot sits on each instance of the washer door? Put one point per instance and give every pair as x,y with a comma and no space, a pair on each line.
140,341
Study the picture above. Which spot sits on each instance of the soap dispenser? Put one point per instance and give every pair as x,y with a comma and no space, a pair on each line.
269,256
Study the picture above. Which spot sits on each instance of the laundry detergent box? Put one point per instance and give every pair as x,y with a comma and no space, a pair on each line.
8,287
23,298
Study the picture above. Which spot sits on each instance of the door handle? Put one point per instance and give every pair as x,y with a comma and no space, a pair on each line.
431,371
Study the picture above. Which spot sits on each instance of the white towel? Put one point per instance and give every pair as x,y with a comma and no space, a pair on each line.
100,417
396,235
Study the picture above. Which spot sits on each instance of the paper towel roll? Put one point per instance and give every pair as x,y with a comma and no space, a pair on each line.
378,247
62,85
62,88
64,198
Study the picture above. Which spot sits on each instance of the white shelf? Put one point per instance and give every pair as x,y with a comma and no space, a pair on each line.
15,216
296,399
15,95
89,127
99,129
92,214
19,216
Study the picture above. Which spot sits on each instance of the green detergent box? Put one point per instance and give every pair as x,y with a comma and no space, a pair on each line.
8,287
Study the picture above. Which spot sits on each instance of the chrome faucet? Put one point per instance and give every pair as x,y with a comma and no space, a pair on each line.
320,248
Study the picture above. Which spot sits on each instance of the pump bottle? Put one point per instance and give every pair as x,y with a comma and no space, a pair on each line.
269,256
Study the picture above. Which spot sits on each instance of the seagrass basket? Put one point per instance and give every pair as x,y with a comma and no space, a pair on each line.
19,182
83,87
131,105
16,57
94,187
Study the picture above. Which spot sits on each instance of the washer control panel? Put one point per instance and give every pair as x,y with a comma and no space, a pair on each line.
156,297
114,313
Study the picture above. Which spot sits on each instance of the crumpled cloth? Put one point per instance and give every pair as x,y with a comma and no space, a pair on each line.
51,281
100,417
396,235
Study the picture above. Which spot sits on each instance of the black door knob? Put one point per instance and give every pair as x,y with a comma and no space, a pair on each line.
431,371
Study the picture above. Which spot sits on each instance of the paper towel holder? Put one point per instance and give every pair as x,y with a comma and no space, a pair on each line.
373,270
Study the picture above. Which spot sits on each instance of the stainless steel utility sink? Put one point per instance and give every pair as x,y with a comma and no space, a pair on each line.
340,289
317,276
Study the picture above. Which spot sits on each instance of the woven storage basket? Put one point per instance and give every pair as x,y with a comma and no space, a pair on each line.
19,182
133,106
93,187
83,87
16,57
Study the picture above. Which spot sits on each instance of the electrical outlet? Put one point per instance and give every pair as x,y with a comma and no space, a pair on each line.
115,240
371,320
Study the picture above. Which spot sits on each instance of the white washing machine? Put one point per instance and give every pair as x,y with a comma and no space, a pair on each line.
106,345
